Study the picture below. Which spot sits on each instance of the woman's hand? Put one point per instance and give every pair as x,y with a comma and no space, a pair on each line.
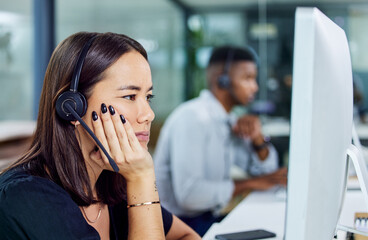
121,143
136,165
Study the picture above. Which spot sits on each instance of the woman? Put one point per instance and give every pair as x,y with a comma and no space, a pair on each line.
64,186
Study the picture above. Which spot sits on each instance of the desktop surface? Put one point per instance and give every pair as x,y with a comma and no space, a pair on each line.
266,210
260,209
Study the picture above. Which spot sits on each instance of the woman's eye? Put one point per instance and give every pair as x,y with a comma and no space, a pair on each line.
149,97
130,97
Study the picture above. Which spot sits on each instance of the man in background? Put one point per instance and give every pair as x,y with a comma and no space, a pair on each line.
201,140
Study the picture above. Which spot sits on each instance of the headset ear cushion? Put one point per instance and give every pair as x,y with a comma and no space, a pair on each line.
76,100
224,81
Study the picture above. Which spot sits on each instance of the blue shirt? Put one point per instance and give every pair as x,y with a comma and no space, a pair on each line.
194,154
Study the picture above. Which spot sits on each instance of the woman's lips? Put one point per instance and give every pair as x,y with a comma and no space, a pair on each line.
143,136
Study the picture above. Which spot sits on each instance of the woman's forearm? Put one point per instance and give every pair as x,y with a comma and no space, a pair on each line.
145,221
180,231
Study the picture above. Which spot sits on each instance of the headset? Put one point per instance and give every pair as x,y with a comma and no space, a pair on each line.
224,80
72,105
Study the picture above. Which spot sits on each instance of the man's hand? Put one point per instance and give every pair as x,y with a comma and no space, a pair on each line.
270,180
249,126
264,182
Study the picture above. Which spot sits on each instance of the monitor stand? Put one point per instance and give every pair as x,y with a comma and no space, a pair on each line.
356,155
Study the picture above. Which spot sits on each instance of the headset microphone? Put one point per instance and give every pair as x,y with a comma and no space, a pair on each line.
72,105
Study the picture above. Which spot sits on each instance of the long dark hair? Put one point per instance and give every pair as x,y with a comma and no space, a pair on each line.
55,152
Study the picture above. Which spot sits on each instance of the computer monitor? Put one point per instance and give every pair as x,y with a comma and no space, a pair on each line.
321,127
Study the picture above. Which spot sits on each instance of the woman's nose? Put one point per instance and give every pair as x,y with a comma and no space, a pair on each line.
145,113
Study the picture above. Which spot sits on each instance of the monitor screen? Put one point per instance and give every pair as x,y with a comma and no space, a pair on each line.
321,127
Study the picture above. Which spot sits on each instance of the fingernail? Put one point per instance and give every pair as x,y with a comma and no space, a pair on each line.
112,110
103,108
122,119
94,116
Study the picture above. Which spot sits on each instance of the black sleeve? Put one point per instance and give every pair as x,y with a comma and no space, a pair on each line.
36,208
167,218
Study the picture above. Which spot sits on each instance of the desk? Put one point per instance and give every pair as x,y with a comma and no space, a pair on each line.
279,131
267,210
10,130
257,210
15,138
280,127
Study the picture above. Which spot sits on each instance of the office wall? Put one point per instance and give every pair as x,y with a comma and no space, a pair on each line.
358,37
16,41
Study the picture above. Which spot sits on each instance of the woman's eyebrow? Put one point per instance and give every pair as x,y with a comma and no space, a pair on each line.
132,87
129,87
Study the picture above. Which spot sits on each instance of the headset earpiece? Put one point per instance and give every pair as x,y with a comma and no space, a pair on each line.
76,100
224,80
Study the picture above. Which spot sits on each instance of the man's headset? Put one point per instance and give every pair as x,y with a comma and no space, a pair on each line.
224,80
72,105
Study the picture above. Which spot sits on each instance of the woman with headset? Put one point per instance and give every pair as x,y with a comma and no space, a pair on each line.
87,173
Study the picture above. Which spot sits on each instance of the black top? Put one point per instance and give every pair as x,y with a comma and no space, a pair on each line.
33,207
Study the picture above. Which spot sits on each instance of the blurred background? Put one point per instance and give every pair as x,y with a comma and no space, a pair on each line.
178,36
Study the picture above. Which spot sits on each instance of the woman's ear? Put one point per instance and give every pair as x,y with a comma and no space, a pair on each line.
75,123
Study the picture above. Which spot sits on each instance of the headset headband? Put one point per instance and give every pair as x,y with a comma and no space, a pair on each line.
78,68
229,59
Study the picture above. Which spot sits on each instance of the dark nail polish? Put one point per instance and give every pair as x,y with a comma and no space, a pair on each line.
94,116
122,119
112,110
103,108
